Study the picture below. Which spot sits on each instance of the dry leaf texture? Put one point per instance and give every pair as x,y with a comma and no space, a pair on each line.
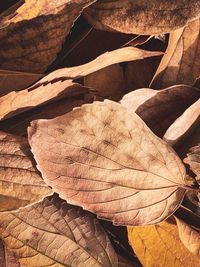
53,233
105,159
142,16
193,159
20,182
160,245
31,36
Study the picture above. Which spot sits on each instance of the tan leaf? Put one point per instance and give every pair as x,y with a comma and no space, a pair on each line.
184,125
104,60
159,109
18,124
193,159
20,183
7,258
32,35
110,163
189,237
142,17
108,81
17,102
54,233
180,64
160,245
13,80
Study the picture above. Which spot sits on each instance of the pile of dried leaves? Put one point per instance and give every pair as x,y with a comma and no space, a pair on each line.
100,133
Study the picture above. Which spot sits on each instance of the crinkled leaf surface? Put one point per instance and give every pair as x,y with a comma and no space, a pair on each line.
180,64
105,159
189,236
142,17
159,109
7,258
32,35
20,182
193,159
54,233
159,245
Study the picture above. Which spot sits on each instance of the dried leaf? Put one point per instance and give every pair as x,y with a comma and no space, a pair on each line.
193,159
7,258
20,183
159,109
116,168
189,237
53,233
13,80
184,125
32,35
160,245
17,102
142,17
180,63
108,81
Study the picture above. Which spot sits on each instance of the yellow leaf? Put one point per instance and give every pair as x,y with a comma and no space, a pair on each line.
160,246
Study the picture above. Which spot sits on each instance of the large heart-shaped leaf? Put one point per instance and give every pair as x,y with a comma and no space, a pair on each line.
108,161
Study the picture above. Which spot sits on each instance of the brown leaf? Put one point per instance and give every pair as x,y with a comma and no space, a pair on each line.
160,245
32,35
104,60
159,109
18,124
180,64
142,17
54,233
17,102
108,81
189,237
184,125
116,168
20,183
13,80
193,159
7,258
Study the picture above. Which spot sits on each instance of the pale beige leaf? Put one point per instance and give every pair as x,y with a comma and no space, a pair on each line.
54,233
189,237
159,109
13,80
160,246
104,60
180,64
109,81
184,125
17,102
109,162
33,34
20,182
142,17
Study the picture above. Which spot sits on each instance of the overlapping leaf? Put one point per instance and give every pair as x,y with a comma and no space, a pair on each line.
20,182
142,17
105,159
193,159
32,35
53,233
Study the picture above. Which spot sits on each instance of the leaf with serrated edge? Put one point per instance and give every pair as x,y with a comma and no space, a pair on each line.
20,182
54,233
160,246
105,159
142,17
